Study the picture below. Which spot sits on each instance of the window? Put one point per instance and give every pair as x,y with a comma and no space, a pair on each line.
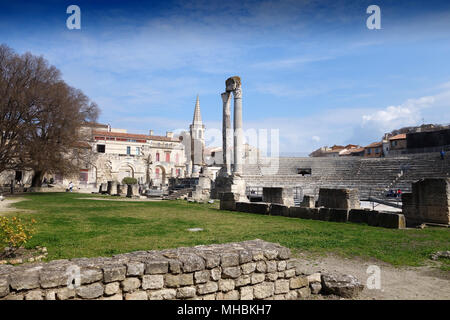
369,151
128,150
138,151
101,148
167,156
157,156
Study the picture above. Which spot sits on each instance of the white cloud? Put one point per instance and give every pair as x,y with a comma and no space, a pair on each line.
315,138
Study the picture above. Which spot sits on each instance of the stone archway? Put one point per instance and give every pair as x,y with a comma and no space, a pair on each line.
125,170
160,175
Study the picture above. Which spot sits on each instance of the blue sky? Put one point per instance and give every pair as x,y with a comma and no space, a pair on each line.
309,68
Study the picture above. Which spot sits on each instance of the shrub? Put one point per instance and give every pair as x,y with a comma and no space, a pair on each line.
14,233
129,180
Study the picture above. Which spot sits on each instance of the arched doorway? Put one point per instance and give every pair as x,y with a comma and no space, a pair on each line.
160,175
125,170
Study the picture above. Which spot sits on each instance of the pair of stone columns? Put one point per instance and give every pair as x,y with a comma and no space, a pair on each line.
233,85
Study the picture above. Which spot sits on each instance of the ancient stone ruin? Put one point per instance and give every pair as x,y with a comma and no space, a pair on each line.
234,271
429,202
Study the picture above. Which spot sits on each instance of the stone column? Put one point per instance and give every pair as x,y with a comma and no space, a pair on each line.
238,131
226,131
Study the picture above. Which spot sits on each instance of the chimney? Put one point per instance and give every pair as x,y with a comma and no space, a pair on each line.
169,134
151,133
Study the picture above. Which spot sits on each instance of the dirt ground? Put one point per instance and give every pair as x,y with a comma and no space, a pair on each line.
5,205
405,283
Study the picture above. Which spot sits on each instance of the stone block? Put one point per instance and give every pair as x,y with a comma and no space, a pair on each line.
229,259
90,291
246,293
135,268
279,210
226,285
112,288
34,295
392,220
186,292
263,290
202,276
163,294
156,266
339,215
113,273
281,286
130,284
155,281
208,287
137,295
359,215
231,272
324,214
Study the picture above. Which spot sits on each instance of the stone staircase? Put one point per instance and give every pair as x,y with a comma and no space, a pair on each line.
178,194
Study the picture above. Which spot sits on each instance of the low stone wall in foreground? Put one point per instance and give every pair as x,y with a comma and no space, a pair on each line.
370,217
239,271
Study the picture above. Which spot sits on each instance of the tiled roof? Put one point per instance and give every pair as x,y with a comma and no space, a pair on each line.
398,137
132,136
375,145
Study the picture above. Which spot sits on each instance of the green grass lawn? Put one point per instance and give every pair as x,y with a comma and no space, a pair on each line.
71,227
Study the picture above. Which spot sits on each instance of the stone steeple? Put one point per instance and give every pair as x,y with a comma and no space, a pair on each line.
197,131
197,115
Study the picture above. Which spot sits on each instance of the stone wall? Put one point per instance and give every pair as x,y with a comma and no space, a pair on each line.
371,217
339,198
279,195
428,202
246,270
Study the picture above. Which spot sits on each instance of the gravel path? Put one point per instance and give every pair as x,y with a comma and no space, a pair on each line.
405,283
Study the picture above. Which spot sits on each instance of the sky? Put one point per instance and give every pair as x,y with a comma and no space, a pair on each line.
309,68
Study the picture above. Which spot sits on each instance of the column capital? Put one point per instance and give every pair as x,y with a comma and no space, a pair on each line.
225,97
237,93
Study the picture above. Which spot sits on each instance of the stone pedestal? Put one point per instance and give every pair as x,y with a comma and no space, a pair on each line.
428,202
133,191
112,188
278,195
202,192
339,198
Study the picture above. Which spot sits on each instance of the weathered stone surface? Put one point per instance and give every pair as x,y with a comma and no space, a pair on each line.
230,295
137,295
248,268
226,285
272,276
315,287
231,272
163,294
186,292
314,277
257,255
229,259
271,266
243,280
258,277
192,262
156,266
51,278
17,296
202,276
90,291
339,215
246,293
174,281
289,273
135,268
343,285
279,210
304,292
281,265
261,266
112,288
155,281
284,253
50,295
113,273
211,296
29,279
65,293
174,266
245,256
90,275
130,284
208,287
392,220
298,282
4,286
34,295
281,286
263,290
115,297
216,273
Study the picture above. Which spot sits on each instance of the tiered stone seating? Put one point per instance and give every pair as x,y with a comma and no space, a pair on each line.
371,176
